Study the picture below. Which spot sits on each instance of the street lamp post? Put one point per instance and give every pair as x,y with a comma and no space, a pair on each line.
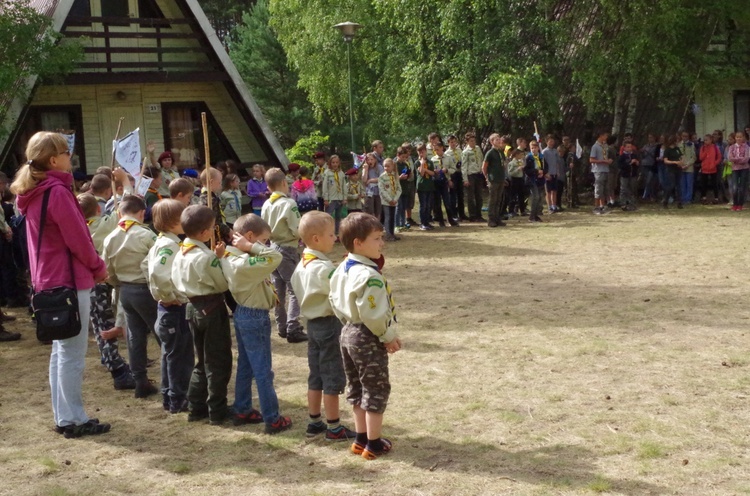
349,30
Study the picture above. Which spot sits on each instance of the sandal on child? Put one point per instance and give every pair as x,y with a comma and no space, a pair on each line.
60,429
368,454
90,428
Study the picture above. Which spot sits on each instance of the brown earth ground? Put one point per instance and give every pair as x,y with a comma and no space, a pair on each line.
586,354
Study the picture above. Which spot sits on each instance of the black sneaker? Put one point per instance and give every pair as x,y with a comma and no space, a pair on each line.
340,434
178,405
61,430
9,336
280,425
124,379
220,418
144,389
197,416
297,337
282,334
165,402
315,428
90,428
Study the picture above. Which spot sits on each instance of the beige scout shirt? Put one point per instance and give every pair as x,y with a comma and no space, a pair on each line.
100,227
196,270
334,185
282,215
390,188
160,260
248,275
361,295
455,156
126,252
444,162
311,284
471,161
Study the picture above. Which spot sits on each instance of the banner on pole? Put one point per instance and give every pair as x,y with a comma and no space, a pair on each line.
579,150
71,139
143,184
128,153
358,160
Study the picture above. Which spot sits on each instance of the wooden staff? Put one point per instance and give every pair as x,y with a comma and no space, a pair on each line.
112,164
536,131
209,193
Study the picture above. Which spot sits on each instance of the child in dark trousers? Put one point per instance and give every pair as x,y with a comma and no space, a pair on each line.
361,298
517,204
196,273
125,252
171,325
311,282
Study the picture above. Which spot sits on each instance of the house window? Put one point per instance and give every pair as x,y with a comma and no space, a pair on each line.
115,8
183,135
66,119
80,10
741,110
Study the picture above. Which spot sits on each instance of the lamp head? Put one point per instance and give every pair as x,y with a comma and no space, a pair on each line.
348,29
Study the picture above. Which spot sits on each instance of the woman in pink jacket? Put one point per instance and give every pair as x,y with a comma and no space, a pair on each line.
710,159
739,155
65,238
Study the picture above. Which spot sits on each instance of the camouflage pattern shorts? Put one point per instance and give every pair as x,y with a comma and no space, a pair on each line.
366,366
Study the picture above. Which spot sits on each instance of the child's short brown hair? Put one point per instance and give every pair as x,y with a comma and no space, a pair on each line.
107,171
357,225
251,223
166,214
180,186
312,223
131,205
274,178
100,183
226,183
197,218
88,204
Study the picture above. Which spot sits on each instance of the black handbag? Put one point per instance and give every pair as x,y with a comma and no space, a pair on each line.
55,310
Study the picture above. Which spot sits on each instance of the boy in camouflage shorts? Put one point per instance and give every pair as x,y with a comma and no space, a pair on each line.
361,298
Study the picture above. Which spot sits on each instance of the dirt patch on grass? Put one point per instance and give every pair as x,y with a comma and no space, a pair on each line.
583,355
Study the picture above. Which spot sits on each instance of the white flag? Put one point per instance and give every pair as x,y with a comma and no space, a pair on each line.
143,185
579,150
71,139
358,160
128,153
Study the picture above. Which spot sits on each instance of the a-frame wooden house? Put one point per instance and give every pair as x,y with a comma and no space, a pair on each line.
159,64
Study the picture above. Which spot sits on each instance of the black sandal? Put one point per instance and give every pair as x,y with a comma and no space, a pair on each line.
90,428
60,429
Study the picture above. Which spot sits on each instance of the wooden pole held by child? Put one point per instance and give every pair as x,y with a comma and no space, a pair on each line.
209,193
112,163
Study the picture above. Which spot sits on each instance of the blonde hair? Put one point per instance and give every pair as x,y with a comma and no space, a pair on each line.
251,223
166,213
312,223
274,178
40,149
215,174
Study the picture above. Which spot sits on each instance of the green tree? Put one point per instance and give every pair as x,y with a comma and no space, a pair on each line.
262,63
30,47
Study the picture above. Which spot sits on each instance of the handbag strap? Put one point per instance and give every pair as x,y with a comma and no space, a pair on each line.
42,222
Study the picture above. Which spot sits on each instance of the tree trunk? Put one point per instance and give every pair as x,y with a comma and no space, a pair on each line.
632,107
619,100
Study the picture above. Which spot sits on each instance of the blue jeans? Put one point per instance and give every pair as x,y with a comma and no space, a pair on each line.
740,178
66,363
401,211
253,329
335,209
686,188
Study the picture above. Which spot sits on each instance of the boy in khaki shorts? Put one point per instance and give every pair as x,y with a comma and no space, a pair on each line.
282,214
312,286
361,298
196,273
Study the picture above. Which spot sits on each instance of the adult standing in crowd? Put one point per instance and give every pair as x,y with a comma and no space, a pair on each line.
66,247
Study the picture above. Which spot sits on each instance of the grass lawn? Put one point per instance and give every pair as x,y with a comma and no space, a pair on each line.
583,355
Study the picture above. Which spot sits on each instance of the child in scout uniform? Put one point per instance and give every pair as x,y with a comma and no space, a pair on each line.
354,192
317,177
102,314
196,273
125,252
390,192
326,380
181,190
152,195
231,198
101,188
214,185
171,325
361,298
293,174
334,191
281,213
247,267
405,172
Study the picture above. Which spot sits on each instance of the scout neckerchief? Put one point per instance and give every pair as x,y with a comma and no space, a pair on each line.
351,263
354,186
307,258
187,246
537,161
126,224
275,196
91,221
237,205
478,154
152,190
338,181
215,204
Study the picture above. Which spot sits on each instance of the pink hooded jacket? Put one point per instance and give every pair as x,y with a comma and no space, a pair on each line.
65,231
